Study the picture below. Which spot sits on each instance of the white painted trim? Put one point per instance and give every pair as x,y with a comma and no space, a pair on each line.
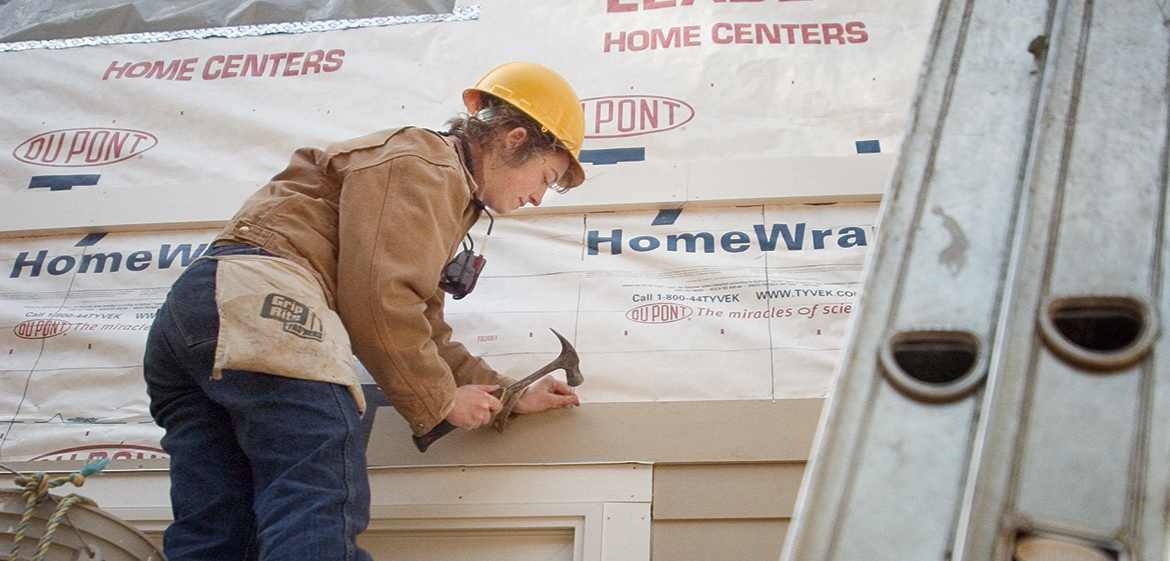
626,532
607,507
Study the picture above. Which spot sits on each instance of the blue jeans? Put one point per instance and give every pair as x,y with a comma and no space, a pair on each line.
262,467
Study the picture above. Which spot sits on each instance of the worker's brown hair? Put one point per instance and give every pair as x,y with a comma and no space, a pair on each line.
496,118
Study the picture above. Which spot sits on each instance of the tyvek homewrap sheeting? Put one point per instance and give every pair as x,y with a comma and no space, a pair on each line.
703,309
740,301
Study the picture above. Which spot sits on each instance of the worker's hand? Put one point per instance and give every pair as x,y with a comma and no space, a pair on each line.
474,406
544,394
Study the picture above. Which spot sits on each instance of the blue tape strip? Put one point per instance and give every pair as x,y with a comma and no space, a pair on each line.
62,182
666,217
868,146
612,156
90,240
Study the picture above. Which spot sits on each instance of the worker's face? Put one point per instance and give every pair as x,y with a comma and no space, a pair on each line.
507,188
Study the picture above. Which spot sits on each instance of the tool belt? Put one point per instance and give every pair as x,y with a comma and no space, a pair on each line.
273,319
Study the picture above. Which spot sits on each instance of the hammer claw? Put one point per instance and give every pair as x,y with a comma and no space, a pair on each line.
567,361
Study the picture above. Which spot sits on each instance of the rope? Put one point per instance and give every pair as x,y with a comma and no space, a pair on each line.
36,491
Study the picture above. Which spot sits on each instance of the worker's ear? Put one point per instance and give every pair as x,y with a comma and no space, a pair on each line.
515,138
471,101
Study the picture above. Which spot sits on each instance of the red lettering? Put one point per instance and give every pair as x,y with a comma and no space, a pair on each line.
743,33
635,36
292,66
208,74
41,147
231,66
856,31
115,68
60,144
161,70
649,116
653,39
656,4
810,33
764,34
622,110
117,143
631,115
138,70
276,58
81,137
254,66
717,37
619,42
92,155
613,6
671,106
313,60
597,120
333,60
34,149
186,69
791,29
833,32
658,38
138,138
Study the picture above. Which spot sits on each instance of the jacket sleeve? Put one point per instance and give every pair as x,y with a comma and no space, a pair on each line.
400,220
467,368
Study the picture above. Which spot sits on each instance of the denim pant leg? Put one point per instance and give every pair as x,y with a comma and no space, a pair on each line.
261,466
306,448
211,480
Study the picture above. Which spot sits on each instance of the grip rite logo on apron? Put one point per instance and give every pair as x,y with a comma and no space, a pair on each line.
297,318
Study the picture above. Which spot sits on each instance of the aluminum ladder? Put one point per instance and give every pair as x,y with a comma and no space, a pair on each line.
1004,393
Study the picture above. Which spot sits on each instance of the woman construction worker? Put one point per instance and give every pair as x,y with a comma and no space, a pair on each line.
249,363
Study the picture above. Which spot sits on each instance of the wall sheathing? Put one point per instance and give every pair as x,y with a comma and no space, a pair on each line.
700,122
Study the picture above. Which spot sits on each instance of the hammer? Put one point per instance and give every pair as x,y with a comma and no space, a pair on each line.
567,361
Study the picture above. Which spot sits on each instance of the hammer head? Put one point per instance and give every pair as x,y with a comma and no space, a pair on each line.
569,361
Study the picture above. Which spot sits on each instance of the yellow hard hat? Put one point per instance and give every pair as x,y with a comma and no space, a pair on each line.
545,96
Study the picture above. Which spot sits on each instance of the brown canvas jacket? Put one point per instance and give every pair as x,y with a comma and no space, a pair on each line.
375,219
